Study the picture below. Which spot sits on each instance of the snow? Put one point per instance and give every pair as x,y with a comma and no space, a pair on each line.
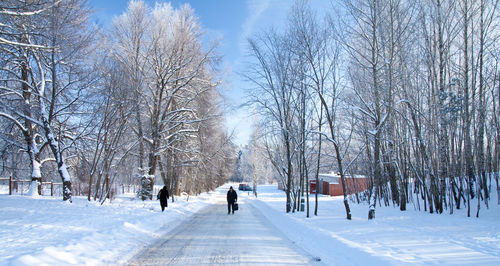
393,238
36,169
33,189
47,231
65,174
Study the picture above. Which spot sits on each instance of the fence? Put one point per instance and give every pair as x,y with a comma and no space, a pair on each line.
21,187
128,188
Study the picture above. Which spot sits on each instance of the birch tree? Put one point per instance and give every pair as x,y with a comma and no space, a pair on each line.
365,48
313,43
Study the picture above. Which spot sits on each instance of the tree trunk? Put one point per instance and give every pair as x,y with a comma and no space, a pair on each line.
469,160
482,109
443,124
54,145
289,175
33,153
318,161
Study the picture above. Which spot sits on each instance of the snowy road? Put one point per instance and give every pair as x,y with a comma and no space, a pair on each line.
211,237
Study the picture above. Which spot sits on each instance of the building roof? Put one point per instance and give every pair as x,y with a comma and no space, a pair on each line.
334,178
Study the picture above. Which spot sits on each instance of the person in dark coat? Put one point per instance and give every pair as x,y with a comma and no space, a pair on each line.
163,197
232,197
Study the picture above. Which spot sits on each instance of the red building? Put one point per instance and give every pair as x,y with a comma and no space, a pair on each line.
331,184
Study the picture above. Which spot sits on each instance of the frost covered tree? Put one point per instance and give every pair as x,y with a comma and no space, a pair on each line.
128,41
237,175
17,95
255,166
47,73
105,151
171,72
205,158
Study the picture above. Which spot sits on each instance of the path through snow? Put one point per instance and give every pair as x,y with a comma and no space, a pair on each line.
211,237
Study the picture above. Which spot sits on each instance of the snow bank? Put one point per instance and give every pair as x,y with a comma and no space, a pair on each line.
48,231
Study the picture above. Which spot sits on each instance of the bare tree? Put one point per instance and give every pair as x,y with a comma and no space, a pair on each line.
271,77
313,42
47,40
17,96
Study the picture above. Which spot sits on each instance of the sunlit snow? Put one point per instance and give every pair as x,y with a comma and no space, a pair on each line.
48,231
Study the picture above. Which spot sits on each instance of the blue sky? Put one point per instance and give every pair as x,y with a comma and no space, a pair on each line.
231,22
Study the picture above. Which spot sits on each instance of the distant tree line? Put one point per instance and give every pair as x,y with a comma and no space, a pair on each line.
404,92
253,166
132,104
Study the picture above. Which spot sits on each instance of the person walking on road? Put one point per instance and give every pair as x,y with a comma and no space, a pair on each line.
232,197
163,197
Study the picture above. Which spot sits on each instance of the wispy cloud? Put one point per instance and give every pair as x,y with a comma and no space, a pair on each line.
255,9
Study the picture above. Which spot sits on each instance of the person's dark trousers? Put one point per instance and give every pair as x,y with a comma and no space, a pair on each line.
230,207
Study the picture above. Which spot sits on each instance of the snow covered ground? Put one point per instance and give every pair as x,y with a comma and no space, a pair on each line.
47,231
393,238
212,237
